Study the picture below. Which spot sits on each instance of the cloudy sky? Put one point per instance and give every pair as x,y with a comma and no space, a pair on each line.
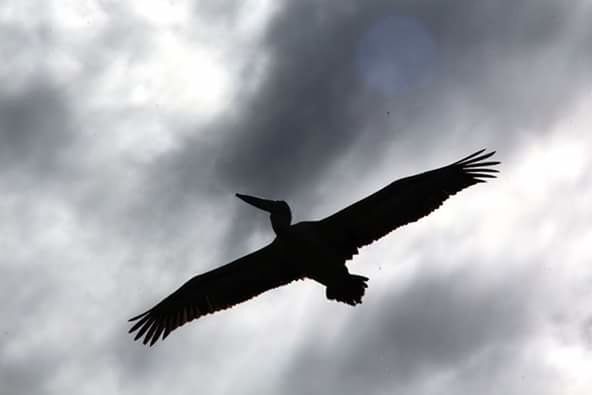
127,126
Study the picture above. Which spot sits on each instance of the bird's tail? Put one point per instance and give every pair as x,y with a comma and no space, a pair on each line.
349,290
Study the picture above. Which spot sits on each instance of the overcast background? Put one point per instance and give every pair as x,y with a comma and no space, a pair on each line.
127,126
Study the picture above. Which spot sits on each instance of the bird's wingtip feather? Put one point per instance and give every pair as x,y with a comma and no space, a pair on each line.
466,158
477,158
138,316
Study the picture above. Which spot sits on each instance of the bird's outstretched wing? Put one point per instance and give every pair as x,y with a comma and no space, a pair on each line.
217,290
404,201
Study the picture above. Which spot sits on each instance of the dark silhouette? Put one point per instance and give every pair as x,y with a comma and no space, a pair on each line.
316,250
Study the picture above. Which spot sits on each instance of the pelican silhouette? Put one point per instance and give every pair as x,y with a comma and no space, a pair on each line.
314,250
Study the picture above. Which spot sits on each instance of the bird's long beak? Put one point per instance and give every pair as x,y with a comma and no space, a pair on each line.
263,204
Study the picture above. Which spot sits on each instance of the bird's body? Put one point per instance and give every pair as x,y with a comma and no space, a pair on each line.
313,255
316,250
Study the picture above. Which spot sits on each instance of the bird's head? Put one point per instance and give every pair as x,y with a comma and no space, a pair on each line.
281,216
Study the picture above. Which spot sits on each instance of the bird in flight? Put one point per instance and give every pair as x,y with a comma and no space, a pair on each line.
315,250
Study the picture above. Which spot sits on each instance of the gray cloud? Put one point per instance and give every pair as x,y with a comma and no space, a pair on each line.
26,375
36,130
439,322
316,122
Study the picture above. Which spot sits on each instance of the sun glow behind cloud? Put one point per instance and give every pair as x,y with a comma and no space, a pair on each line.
175,74
157,61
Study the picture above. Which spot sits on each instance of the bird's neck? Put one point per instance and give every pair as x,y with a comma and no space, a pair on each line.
280,223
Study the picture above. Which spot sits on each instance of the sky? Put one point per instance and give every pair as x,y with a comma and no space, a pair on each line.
126,127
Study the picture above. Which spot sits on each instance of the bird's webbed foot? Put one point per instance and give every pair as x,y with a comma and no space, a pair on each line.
350,289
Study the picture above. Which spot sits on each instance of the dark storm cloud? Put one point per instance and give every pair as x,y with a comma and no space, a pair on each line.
497,68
